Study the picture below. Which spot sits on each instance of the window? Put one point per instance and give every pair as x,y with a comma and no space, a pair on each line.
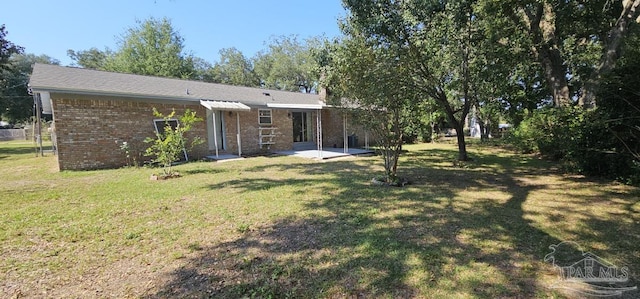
264,116
160,124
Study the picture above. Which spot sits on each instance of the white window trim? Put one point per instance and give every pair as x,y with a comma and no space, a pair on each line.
260,117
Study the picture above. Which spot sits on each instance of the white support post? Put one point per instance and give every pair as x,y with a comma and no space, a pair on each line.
366,139
344,132
319,132
238,136
215,131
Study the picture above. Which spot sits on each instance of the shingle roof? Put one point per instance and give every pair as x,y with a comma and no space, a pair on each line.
54,78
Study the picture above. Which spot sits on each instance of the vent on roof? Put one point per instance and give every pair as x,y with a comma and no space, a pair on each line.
266,94
187,90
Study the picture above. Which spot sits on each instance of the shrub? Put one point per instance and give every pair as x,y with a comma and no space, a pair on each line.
171,142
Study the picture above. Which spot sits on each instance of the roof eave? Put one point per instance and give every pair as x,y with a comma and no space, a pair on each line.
113,94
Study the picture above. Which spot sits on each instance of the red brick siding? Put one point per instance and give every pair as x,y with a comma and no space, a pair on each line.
90,129
333,129
249,131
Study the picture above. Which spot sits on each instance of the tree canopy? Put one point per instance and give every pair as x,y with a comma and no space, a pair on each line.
152,47
235,69
7,48
16,105
289,64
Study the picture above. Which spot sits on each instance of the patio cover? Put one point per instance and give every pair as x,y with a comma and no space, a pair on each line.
224,105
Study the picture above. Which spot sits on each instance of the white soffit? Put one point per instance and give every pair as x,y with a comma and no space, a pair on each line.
224,105
295,106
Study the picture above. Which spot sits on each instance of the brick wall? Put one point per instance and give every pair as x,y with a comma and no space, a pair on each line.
333,129
249,131
90,129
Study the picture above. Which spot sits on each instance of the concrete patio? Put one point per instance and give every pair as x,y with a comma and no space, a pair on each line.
326,153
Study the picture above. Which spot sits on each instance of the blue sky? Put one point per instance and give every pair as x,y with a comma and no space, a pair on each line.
53,27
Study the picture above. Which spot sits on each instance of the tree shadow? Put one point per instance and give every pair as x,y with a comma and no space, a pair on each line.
364,241
17,150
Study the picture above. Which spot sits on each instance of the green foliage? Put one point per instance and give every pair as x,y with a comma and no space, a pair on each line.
234,69
171,142
289,64
441,45
152,48
371,79
604,141
7,48
90,59
584,141
16,105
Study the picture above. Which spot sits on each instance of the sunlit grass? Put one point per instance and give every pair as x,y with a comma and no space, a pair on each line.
290,227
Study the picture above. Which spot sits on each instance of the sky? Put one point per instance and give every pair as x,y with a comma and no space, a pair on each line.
53,27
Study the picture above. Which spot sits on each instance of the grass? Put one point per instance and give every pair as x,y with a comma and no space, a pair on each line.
277,227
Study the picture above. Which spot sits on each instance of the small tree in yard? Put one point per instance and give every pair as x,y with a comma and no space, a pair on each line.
371,79
171,142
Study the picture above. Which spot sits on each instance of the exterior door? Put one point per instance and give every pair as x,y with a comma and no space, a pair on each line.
301,126
215,132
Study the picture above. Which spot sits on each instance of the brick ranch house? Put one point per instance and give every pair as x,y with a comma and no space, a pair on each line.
95,111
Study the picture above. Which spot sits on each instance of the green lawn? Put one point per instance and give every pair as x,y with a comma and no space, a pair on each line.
289,227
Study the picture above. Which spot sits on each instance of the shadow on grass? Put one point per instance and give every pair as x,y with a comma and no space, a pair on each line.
16,150
367,241
206,170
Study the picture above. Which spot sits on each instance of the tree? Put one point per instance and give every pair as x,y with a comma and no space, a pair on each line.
612,48
235,69
575,43
16,105
7,48
152,48
439,44
370,78
202,70
289,64
90,59
170,142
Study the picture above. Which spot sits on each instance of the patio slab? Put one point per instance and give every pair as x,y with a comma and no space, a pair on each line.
224,157
326,153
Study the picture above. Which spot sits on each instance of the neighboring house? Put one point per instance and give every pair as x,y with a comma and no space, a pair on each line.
95,111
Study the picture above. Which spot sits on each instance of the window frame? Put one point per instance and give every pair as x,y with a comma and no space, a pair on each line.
261,117
160,130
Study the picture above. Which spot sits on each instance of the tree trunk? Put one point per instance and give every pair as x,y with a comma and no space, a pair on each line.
540,25
433,132
483,134
555,74
630,11
462,145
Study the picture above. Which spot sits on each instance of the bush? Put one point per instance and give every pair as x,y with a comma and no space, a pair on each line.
585,141
170,144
